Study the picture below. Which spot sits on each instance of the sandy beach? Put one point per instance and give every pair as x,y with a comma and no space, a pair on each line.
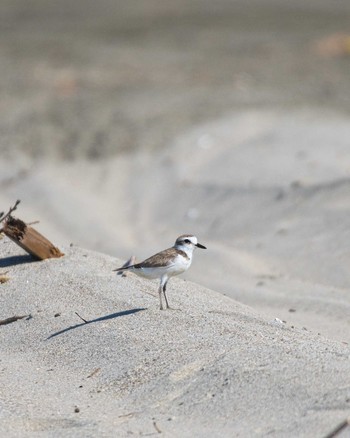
126,124
210,367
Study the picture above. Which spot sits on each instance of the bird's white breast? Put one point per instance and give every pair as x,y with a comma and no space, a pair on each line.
181,264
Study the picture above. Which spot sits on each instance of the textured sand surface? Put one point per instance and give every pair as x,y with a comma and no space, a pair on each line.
265,192
212,367
126,124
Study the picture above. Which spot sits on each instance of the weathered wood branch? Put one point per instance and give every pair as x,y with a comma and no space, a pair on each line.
27,237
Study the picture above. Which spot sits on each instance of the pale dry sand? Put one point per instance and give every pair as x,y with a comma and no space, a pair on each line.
126,124
264,191
212,367
276,230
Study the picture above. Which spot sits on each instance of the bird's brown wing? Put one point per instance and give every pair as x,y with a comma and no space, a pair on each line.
160,259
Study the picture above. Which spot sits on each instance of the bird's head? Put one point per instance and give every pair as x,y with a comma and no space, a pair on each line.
188,243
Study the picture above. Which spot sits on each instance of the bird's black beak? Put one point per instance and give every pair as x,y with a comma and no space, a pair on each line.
198,245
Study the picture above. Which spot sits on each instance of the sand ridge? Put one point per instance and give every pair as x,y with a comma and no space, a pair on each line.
126,124
212,367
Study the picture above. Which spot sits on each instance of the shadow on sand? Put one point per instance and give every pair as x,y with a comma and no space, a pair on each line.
17,260
101,318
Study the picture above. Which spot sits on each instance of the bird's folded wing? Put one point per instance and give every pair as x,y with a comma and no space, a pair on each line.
161,259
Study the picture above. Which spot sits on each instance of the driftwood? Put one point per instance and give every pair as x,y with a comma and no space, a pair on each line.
81,318
27,237
12,319
340,428
3,278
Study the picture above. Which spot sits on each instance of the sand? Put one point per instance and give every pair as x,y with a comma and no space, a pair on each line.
267,195
210,367
126,124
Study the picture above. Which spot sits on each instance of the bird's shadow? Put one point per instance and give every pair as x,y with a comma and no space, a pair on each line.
101,318
17,260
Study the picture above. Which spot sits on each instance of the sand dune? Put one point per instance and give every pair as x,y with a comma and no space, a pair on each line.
212,367
271,207
126,124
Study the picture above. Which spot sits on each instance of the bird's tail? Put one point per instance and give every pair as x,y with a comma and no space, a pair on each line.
128,264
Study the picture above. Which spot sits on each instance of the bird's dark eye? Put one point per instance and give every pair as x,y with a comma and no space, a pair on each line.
187,241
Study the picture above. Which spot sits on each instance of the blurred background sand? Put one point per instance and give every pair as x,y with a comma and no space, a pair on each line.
125,124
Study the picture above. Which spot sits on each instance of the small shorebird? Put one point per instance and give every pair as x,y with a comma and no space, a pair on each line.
167,263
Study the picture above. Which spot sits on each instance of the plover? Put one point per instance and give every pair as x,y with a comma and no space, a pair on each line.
167,263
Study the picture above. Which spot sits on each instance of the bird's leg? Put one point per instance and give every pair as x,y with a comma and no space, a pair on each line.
162,288
160,296
166,301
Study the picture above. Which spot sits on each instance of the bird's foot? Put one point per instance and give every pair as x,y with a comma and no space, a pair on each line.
172,308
